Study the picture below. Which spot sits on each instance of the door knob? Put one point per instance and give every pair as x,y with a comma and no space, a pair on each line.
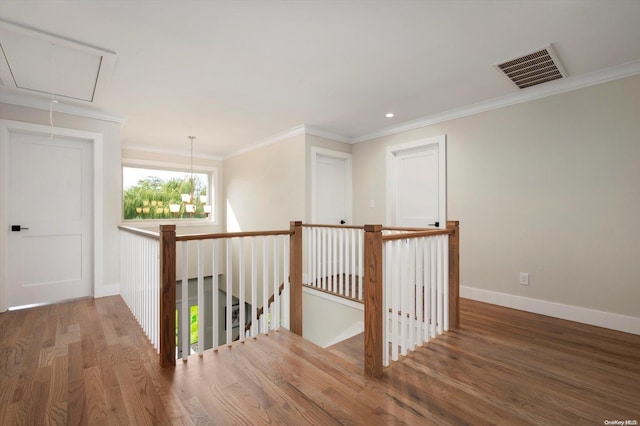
17,228
342,222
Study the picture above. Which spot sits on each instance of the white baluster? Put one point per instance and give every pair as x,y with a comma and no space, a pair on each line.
445,270
426,273
440,287
360,242
254,287
215,294
275,316
433,286
386,291
265,283
285,293
229,292
241,289
341,261
201,304
185,326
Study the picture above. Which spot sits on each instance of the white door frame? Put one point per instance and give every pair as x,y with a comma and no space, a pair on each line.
315,152
392,152
6,128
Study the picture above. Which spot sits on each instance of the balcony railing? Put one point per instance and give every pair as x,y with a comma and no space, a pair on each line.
407,279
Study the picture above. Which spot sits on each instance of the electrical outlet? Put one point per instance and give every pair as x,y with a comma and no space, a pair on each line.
524,278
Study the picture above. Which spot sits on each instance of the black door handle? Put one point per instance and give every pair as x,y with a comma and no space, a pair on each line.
17,228
342,222
437,224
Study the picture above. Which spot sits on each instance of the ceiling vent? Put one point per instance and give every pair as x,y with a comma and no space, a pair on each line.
532,69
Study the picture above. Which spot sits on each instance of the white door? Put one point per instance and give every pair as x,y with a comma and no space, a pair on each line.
417,184
332,187
49,209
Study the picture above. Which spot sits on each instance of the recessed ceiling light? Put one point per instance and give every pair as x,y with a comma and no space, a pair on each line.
389,115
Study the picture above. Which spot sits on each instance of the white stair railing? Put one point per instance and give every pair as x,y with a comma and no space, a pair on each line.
333,259
140,279
252,267
416,300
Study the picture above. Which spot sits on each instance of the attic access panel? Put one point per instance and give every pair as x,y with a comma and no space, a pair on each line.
533,68
37,62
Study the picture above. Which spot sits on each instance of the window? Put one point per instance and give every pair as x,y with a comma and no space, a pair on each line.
152,194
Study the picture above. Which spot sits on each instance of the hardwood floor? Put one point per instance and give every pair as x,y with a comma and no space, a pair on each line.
87,362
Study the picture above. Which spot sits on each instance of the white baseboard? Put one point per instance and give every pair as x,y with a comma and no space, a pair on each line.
609,320
107,290
351,331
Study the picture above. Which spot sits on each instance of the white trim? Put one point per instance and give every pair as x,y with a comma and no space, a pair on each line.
315,152
288,134
167,151
302,129
336,299
548,89
45,104
353,330
441,141
212,171
609,320
6,126
103,77
327,135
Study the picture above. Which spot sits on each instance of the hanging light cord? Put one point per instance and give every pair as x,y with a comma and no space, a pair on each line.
52,101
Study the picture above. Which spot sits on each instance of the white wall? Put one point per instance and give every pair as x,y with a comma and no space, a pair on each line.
550,187
111,181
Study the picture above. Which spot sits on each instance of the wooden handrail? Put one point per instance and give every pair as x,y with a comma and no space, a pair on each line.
260,311
309,225
416,234
192,237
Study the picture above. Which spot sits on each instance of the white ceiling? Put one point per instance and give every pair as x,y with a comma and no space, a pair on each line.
236,73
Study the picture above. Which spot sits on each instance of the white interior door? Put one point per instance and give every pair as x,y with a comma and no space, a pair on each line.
49,195
417,184
332,188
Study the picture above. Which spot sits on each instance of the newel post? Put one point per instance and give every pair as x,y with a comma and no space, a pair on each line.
295,277
454,274
373,316
167,295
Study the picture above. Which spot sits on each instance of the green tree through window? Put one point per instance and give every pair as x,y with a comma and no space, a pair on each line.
152,196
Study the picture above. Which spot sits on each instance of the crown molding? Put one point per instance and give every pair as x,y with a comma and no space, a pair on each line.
166,151
288,134
45,104
314,131
552,88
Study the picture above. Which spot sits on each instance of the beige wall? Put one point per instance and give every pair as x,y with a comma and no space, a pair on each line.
550,187
265,188
112,181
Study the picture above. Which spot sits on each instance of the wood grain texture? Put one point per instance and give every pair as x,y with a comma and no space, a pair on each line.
167,295
454,274
372,292
295,277
92,364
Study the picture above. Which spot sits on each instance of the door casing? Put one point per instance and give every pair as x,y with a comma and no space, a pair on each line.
10,126
392,153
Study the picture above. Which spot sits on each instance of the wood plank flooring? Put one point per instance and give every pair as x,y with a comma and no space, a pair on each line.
88,362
